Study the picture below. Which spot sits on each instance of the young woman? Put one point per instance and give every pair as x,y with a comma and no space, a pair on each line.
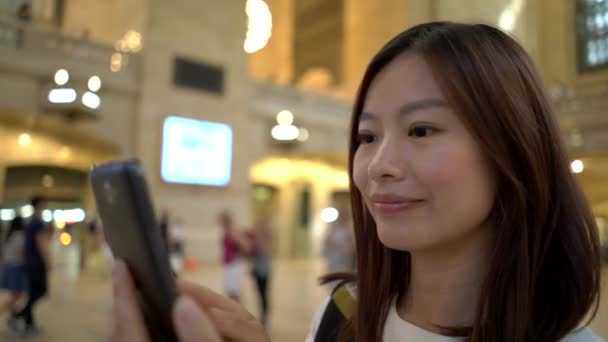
13,277
234,247
468,223
262,247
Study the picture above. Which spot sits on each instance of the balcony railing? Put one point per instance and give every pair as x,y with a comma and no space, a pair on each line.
47,42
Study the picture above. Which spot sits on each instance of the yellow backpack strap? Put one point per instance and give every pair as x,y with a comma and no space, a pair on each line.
345,300
340,308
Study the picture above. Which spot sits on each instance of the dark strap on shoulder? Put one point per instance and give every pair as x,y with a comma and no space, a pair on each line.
339,309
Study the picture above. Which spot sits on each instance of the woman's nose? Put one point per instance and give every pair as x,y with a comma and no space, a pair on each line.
388,162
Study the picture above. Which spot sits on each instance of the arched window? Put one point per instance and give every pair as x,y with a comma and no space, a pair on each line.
319,37
592,34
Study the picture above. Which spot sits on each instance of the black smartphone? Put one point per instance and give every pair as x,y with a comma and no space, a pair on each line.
133,234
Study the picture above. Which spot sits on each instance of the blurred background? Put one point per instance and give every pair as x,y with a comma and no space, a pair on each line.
255,93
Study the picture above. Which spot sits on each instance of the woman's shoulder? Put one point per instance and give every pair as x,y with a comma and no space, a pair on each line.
316,321
582,335
342,300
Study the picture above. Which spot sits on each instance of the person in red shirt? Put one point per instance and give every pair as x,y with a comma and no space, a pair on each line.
235,246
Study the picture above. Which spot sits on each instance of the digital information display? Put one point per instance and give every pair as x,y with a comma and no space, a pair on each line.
196,152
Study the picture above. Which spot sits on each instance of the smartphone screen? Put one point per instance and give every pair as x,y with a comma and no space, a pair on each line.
133,234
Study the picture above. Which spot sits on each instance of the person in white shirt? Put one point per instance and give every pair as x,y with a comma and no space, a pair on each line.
338,246
468,223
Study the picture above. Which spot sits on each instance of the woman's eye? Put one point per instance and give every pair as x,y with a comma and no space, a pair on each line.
365,138
421,132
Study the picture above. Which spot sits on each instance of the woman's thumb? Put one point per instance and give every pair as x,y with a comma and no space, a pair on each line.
191,323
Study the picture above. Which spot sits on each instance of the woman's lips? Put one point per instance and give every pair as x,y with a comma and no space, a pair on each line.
393,207
392,203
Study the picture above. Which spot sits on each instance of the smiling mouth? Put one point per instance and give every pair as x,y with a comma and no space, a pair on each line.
396,206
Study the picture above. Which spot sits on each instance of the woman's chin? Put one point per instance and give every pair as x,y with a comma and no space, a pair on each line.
404,238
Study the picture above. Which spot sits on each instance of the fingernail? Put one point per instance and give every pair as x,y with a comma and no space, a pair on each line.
187,310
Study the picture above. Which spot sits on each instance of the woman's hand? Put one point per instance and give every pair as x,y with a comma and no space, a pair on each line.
199,314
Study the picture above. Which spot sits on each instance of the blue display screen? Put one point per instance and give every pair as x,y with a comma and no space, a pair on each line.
196,152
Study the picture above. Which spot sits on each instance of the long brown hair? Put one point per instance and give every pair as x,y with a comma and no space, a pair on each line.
544,273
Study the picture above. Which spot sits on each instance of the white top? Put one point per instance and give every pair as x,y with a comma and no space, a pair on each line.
396,330
13,249
177,233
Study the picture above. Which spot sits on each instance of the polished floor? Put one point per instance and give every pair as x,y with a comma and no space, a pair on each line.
78,309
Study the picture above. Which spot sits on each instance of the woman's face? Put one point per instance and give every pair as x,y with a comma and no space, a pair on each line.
420,172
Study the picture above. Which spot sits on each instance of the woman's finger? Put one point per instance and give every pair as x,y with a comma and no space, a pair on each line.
191,324
230,319
128,323
238,328
210,299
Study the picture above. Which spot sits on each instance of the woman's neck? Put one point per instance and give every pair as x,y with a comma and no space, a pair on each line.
445,284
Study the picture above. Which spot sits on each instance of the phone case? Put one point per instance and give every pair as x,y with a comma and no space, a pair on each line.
133,234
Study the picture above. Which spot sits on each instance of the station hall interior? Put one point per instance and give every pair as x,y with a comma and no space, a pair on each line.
258,94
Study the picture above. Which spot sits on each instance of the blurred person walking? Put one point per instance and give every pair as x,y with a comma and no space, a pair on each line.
37,266
24,13
2,238
339,247
24,16
262,247
13,277
235,246
177,245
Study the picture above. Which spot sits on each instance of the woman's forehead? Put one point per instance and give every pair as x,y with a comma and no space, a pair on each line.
407,79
